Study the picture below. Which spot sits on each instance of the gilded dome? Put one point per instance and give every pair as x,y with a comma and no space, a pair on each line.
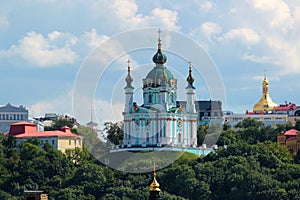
265,103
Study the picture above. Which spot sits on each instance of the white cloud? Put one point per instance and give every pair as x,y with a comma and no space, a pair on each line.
245,35
278,10
286,53
93,40
206,34
258,59
210,28
125,15
41,51
207,6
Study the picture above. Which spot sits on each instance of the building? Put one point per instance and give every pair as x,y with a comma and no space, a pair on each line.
159,121
290,139
267,119
35,195
11,114
266,111
209,112
265,103
60,139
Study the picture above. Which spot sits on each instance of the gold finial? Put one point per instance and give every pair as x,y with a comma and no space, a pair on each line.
265,74
154,185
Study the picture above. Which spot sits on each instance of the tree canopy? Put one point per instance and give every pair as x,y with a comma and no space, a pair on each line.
252,166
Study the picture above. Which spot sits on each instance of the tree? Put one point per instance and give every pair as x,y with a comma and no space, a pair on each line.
114,132
201,133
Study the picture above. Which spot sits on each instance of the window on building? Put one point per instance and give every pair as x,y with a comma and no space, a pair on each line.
14,116
147,136
150,98
53,142
172,98
6,117
21,117
179,137
46,140
70,142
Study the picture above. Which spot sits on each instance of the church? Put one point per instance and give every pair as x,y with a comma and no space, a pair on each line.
159,121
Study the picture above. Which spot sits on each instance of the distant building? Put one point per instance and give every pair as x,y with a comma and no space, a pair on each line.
10,114
60,140
266,111
267,119
35,195
290,139
209,112
49,118
265,103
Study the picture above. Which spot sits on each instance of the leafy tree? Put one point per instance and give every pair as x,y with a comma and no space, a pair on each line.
297,125
114,132
201,133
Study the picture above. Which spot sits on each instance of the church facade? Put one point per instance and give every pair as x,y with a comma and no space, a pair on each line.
159,121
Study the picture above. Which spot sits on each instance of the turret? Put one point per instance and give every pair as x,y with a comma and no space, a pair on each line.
190,92
265,103
128,91
154,188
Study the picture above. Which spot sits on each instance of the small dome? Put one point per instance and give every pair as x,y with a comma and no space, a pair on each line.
159,57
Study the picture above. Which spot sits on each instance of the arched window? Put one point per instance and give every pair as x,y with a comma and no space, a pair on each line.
179,137
172,97
150,98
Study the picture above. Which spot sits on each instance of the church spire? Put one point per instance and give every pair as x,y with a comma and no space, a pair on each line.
265,103
159,57
190,79
154,188
128,79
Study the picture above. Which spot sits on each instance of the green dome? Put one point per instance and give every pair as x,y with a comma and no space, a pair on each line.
159,73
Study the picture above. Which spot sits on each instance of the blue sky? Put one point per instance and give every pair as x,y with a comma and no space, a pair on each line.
43,43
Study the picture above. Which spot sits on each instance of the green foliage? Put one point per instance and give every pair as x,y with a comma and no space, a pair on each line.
114,132
252,166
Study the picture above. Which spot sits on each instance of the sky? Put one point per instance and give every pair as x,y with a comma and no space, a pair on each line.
45,45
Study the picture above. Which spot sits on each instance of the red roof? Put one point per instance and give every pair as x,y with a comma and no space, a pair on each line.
28,130
47,134
285,107
291,132
23,123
